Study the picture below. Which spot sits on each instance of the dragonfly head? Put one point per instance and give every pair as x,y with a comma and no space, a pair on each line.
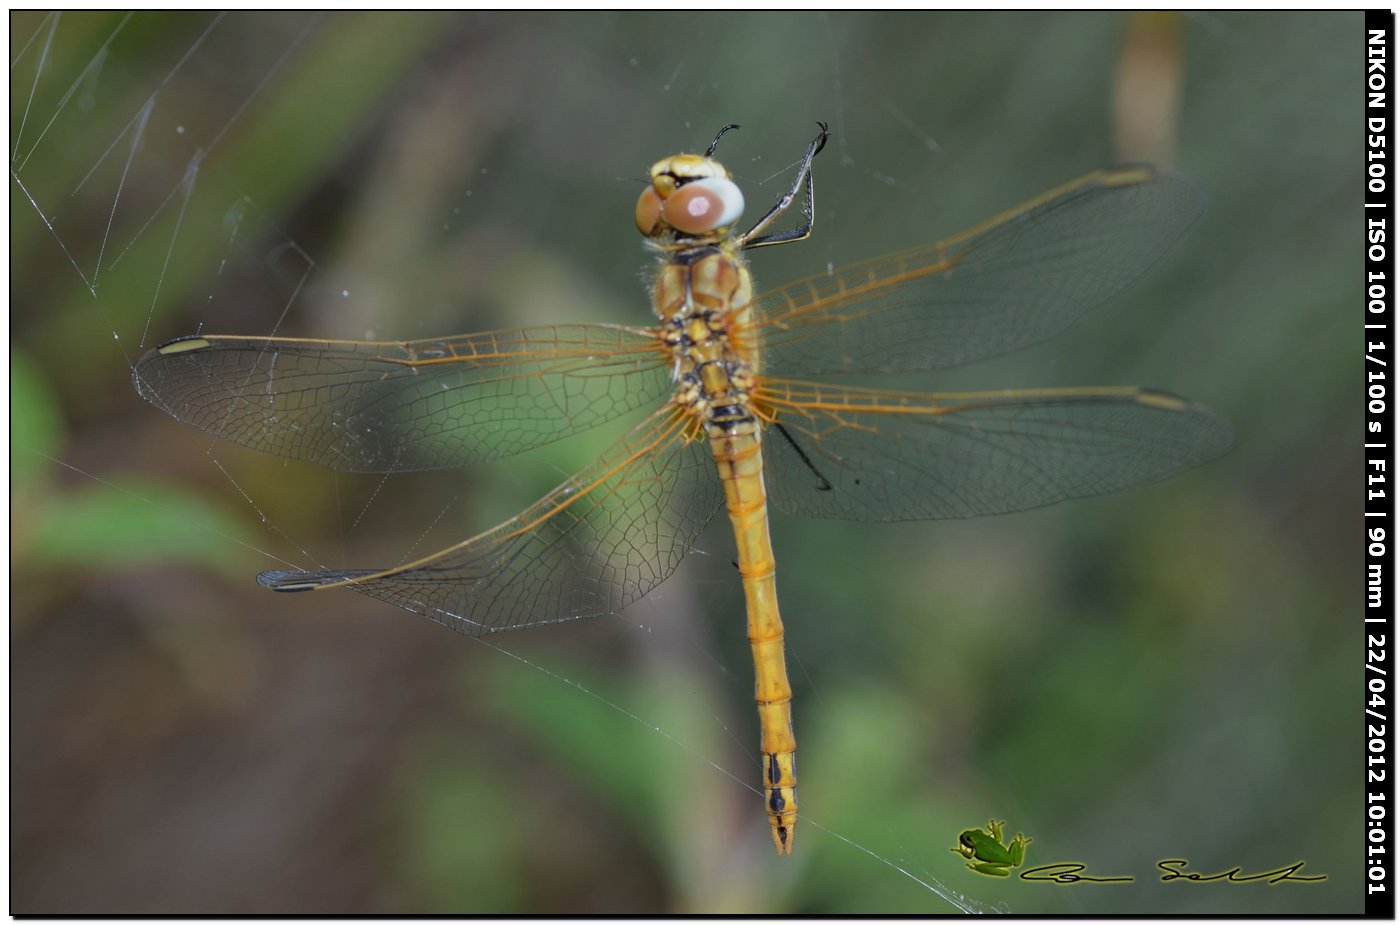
691,197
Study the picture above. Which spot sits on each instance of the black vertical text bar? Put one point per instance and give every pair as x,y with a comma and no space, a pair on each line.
1379,515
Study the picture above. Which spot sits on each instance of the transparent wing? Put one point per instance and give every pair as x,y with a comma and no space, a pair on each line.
875,455
1014,280
591,546
361,406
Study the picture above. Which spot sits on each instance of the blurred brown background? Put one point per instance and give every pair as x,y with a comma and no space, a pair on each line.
1168,672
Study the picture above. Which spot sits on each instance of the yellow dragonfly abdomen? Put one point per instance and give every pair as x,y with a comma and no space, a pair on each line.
741,471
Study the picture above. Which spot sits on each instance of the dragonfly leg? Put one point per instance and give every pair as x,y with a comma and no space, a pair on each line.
710,151
752,238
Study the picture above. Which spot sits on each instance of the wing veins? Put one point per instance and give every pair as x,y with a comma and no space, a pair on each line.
376,406
1011,281
910,456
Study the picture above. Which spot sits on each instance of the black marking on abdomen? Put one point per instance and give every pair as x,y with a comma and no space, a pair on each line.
730,415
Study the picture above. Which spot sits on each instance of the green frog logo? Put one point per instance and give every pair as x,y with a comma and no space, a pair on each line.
986,854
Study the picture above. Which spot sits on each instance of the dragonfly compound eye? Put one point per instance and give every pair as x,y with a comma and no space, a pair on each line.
702,205
648,211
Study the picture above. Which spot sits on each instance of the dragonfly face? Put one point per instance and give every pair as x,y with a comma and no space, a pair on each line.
691,197
739,409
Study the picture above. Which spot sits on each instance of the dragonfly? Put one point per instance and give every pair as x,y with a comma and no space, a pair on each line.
749,401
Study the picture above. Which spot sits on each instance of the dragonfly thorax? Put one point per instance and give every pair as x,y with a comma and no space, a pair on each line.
704,299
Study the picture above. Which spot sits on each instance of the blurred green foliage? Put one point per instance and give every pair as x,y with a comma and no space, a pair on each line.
1160,673
113,524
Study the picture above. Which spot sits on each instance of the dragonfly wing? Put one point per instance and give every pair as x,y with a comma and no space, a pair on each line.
876,455
1015,280
593,545
361,406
